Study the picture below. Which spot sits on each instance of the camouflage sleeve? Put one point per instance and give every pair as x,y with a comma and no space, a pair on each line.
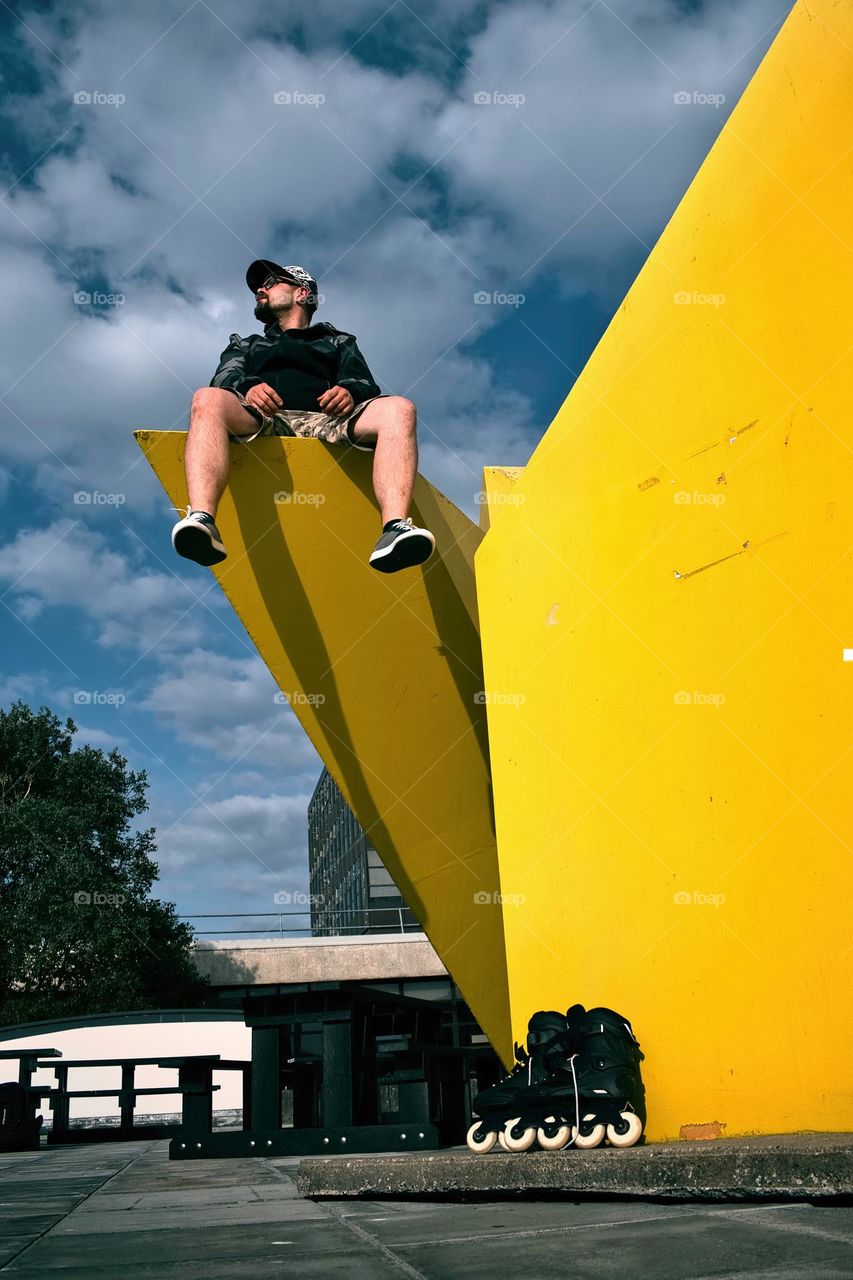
231,370
354,374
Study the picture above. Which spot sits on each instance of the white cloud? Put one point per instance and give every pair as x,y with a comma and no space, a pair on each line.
93,737
129,606
226,706
252,845
598,116
319,188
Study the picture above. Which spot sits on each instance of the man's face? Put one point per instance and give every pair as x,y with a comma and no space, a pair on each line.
276,299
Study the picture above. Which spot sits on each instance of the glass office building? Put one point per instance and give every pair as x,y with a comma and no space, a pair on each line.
351,890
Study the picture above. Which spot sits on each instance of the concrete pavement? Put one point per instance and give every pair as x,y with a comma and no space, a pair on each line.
124,1210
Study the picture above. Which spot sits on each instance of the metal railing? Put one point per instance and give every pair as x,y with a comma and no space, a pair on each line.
330,923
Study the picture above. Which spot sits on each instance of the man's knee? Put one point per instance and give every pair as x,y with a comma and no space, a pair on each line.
399,411
208,397
216,404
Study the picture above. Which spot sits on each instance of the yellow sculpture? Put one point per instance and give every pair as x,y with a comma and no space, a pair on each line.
665,602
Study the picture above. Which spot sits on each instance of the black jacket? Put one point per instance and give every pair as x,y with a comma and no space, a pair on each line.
300,364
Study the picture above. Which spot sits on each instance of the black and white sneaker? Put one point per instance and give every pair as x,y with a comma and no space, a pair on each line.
401,545
196,537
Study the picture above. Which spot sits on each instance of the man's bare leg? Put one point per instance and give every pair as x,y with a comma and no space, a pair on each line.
214,413
390,424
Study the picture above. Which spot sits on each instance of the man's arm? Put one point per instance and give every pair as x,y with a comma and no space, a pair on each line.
354,374
231,371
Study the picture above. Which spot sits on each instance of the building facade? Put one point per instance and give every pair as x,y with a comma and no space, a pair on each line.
351,890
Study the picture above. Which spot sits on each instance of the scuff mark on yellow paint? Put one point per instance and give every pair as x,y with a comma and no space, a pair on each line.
552,618
723,559
701,1132
737,435
729,440
647,484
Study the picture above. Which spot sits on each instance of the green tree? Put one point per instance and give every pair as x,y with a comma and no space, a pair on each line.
79,933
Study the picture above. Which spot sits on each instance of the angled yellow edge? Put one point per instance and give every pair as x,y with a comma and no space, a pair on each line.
664,619
383,671
499,492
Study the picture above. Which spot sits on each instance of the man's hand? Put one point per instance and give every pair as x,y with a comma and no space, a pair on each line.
264,398
337,401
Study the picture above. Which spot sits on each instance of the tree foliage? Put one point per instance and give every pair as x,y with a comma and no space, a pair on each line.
79,931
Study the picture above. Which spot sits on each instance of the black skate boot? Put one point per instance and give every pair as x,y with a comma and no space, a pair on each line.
611,1096
505,1107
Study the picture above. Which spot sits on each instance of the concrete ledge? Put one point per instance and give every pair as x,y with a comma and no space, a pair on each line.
362,958
806,1166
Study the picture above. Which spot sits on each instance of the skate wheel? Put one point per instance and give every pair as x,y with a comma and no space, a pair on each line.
523,1140
592,1139
553,1137
626,1131
480,1139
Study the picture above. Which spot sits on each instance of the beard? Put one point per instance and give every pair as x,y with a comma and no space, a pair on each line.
265,313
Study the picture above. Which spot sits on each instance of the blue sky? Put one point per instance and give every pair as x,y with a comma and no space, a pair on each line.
146,161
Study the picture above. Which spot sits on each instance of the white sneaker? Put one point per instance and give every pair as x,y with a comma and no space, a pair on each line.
197,538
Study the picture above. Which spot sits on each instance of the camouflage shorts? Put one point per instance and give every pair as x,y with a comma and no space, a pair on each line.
332,428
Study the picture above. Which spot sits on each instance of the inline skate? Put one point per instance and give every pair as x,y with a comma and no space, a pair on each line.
581,1085
536,1068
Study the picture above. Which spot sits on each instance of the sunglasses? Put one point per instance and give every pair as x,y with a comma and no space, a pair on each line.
275,279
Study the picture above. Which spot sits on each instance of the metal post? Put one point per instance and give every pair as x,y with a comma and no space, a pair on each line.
127,1097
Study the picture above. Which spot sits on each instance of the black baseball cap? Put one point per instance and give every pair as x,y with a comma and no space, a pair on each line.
262,267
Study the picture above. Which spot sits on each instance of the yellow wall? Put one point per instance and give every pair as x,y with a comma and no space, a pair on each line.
664,617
